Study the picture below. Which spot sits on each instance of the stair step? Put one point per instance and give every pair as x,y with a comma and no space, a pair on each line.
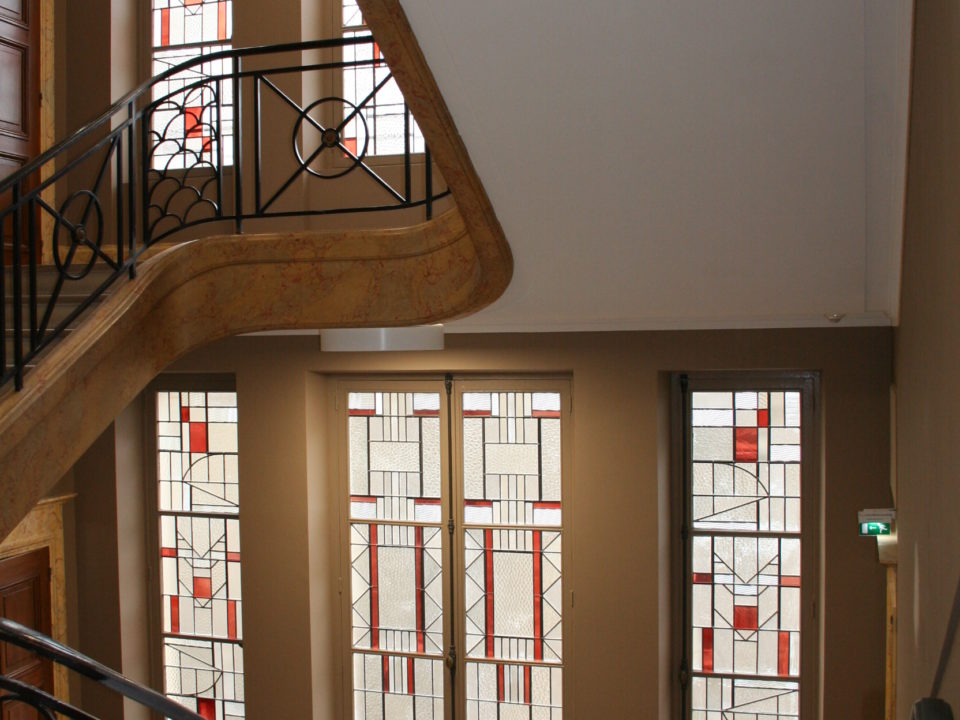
66,303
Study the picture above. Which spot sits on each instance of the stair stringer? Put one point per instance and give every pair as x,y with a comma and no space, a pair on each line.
207,289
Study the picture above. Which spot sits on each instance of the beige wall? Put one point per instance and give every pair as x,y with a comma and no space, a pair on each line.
927,351
618,527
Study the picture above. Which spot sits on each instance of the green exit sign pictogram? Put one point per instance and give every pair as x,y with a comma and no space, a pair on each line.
874,528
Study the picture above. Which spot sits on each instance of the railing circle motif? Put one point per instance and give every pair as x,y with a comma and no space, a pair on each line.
79,234
330,138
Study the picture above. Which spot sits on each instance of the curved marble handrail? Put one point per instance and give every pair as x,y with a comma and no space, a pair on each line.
207,289
203,290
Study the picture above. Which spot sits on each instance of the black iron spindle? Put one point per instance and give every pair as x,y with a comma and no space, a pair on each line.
257,206
3,295
17,289
219,179
428,181
32,244
120,224
238,145
131,183
406,153
145,162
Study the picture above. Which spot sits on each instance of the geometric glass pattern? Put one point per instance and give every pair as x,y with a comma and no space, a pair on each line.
193,121
371,88
745,554
512,554
200,576
396,555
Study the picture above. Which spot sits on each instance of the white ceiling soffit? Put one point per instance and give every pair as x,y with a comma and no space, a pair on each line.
683,163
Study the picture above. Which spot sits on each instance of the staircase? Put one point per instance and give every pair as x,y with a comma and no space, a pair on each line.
62,304
227,269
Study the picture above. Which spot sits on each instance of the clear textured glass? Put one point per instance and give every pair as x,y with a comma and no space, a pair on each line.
200,560
745,554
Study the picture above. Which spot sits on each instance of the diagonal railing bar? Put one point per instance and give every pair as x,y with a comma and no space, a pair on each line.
363,103
172,155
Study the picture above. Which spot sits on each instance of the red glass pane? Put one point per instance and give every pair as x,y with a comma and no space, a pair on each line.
191,121
707,640
165,27
198,437
175,614
746,445
763,418
201,587
232,619
221,20
783,664
745,617
206,707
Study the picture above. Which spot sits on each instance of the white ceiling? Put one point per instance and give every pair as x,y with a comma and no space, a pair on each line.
683,163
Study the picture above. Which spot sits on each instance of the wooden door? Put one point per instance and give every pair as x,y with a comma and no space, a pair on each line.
25,598
19,92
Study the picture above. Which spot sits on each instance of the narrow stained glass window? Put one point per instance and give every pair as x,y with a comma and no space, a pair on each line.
396,555
371,91
744,554
512,554
198,500
192,123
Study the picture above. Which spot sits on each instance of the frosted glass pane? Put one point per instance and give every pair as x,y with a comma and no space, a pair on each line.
512,458
397,587
713,444
394,455
503,691
514,595
395,687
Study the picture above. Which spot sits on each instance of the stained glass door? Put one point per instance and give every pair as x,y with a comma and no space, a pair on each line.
396,550
511,506
455,550
747,567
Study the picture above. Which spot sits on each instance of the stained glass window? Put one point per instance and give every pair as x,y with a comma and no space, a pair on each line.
512,512
200,579
371,91
396,555
745,550
192,124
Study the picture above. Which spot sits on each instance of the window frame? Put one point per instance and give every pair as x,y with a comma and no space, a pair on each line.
451,439
187,382
682,385
372,159
147,60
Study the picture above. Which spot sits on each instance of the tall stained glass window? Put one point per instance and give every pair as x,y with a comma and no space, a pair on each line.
372,93
456,562
199,510
745,553
512,514
192,124
396,556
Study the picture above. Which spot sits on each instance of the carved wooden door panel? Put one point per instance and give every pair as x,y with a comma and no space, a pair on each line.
19,92
25,598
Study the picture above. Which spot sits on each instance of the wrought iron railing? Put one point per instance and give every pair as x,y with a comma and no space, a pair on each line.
219,140
13,692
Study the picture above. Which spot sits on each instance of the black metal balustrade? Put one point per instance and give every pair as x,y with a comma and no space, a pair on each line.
217,140
14,693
